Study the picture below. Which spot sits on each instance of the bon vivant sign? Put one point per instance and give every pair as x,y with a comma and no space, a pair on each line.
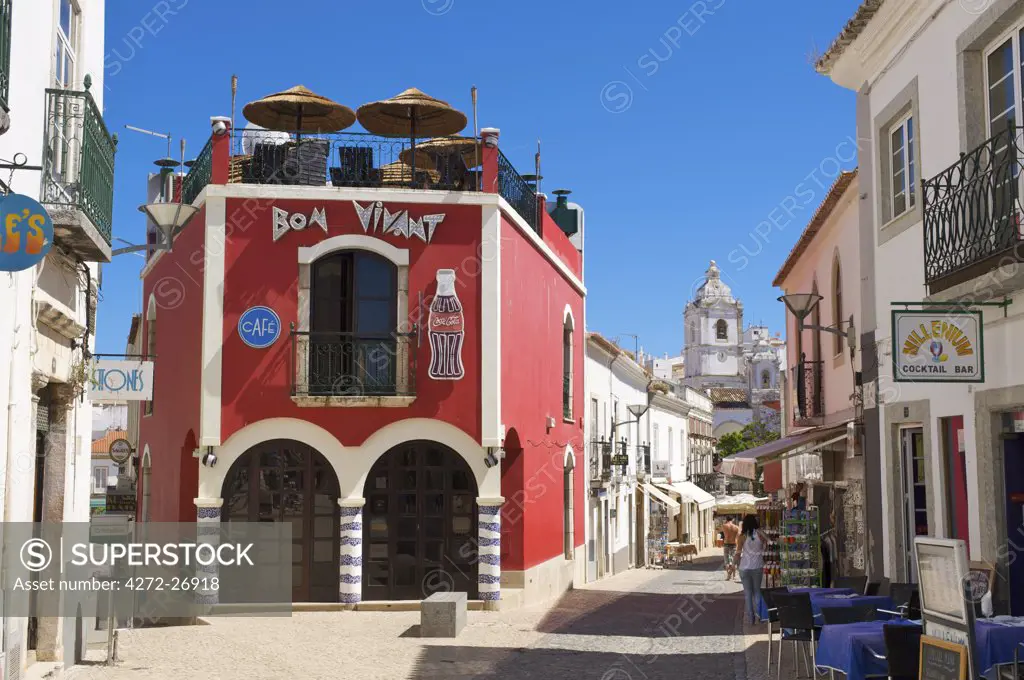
942,345
121,380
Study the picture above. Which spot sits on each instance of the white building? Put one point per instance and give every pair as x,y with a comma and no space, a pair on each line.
658,452
110,415
48,314
742,368
939,99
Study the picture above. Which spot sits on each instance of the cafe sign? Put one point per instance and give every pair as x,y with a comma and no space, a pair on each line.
937,345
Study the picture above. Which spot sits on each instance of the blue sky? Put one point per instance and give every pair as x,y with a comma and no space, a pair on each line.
680,127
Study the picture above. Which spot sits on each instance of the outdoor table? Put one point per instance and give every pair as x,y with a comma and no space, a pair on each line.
995,641
819,602
762,610
854,648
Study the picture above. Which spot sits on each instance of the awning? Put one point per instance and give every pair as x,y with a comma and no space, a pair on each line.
743,503
689,492
738,467
667,501
807,441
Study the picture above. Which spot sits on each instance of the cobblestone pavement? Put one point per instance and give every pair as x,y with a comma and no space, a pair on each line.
638,625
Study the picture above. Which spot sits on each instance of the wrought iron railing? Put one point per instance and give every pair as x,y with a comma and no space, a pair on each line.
78,157
199,175
519,194
600,460
708,481
327,364
5,53
810,395
351,159
972,210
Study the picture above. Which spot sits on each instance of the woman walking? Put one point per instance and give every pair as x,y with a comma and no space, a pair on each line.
750,556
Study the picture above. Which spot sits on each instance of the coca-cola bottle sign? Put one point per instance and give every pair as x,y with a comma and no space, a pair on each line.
446,327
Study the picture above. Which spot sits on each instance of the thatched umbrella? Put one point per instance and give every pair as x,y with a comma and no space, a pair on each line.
299,110
409,114
469,149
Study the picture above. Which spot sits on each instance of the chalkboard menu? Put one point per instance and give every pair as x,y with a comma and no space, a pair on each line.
941,660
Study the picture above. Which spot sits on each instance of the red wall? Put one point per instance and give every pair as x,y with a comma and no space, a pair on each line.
560,243
177,287
260,271
534,295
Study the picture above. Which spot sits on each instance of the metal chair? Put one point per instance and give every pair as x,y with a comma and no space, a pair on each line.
903,651
796,619
773,617
856,583
872,588
855,614
904,595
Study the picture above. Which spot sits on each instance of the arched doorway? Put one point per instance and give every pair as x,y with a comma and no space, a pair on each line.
287,481
419,524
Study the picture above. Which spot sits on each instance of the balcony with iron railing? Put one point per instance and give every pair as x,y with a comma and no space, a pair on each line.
810,395
349,369
361,160
600,462
708,481
972,212
78,172
5,53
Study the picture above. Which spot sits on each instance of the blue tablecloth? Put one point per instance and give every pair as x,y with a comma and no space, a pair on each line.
818,602
851,648
995,643
762,611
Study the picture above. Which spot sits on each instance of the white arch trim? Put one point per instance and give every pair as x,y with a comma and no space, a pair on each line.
570,458
398,256
567,316
151,307
352,464
147,461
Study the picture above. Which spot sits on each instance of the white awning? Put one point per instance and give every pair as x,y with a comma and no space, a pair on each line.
667,501
689,492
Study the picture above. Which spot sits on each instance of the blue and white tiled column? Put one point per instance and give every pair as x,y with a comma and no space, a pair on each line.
208,529
489,569
350,589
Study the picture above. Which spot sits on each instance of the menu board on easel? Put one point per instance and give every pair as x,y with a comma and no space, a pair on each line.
941,660
946,607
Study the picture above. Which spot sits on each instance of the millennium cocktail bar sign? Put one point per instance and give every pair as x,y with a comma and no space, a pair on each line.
937,345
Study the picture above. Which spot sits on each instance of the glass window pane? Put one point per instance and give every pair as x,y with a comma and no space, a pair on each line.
1001,95
375,276
374,317
65,17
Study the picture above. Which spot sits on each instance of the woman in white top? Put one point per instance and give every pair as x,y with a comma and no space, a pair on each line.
750,556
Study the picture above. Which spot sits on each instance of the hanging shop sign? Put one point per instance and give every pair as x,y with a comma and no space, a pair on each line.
446,330
259,327
121,380
376,218
937,345
120,451
285,221
26,233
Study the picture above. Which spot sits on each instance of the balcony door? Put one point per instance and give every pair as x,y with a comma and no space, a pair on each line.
352,342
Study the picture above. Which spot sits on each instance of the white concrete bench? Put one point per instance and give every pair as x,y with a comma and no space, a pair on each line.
443,615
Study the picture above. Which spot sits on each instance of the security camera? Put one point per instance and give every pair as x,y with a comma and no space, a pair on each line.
210,459
491,459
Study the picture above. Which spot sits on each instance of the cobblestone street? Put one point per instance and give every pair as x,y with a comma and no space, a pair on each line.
638,625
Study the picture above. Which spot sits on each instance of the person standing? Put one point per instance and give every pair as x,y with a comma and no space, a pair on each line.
730,532
750,556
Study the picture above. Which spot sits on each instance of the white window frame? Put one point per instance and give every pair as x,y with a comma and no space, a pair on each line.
68,45
97,487
1013,35
907,150
654,437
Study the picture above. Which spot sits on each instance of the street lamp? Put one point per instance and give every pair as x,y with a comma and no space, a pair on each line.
802,304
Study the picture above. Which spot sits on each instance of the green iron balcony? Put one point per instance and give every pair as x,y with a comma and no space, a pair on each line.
78,173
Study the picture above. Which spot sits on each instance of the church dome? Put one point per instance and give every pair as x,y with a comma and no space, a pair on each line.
713,290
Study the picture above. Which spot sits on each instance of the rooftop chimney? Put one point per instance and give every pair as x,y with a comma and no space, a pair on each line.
562,214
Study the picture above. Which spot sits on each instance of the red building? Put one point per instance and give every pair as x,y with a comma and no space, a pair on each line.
395,368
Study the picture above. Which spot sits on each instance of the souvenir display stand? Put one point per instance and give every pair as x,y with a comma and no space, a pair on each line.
657,534
800,548
769,516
